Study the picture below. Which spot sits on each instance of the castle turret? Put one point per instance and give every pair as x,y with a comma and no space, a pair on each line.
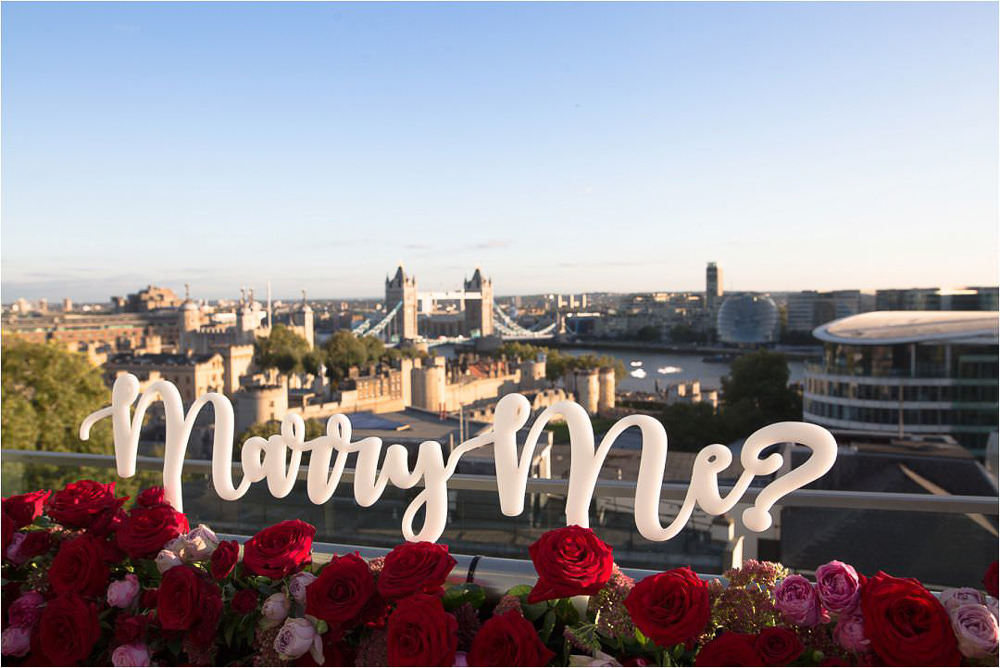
587,389
188,323
303,317
606,391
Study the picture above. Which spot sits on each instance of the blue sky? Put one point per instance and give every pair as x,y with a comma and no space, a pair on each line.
562,147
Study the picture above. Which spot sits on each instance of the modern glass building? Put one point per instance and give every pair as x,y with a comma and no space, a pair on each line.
748,318
909,373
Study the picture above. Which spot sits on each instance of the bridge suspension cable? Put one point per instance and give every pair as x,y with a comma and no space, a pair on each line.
380,327
511,329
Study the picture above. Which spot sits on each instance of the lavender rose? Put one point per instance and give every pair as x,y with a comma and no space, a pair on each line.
26,610
297,586
838,586
976,630
797,600
167,559
850,633
122,593
133,654
276,607
15,641
296,637
952,599
199,544
991,603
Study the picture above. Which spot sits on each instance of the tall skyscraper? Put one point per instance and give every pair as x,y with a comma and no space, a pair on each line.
713,286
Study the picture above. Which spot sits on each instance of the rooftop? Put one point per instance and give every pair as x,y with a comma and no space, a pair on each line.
891,327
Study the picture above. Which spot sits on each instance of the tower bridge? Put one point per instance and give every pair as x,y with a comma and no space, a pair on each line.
411,314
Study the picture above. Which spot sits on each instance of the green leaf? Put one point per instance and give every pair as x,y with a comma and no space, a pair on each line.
520,591
548,625
455,597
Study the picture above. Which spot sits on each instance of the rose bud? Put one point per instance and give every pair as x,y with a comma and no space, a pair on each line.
16,641
297,585
276,608
797,600
133,654
123,593
166,560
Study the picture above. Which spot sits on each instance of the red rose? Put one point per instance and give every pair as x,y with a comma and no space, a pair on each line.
414,567
336,652
203,634
421,633
729,649
245,601
670,608
24,508
990,580
79,567
279,550
778,646
152,496
145,531
509,640
906,624
85,504
8,532
68,630
224,559
341,592
569,561
130,628
186,600
149,598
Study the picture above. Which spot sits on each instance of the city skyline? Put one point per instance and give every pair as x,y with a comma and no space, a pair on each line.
562,148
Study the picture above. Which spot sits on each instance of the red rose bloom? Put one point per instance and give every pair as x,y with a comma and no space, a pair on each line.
203,633
34,544
186,600
341,592
224,558
670,608
79,567
67,631
152,496
145,531
990,580
778,646
24,508
7,524
336,652
130,628
245,601
84,504
421,633
569,561
729,649
509,640
149,598
414,567
279,550
906,624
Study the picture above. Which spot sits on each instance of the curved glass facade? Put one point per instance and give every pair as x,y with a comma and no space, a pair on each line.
748,319
941,388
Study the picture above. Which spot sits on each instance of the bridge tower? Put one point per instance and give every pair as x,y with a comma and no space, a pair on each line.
401,288
479,312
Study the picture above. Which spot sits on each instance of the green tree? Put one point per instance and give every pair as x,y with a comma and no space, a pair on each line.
47,392
756,393
558,364
344,350
285,351
314,428
690,427
648,333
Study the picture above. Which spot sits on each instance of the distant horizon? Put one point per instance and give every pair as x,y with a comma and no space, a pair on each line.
575,147
260,293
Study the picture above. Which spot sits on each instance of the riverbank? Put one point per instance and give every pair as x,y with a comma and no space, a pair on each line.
812,352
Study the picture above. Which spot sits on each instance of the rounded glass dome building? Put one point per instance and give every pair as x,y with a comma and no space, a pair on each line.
748,318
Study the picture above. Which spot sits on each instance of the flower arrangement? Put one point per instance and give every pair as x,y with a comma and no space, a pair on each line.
87,582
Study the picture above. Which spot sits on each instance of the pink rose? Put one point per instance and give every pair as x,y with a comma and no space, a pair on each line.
952,599
122,593
166,559
991,603
276,608
133,654
797,600
297,586
461,660
976,630
838,586
26,546
25,611
195,545
850,633
15,641
296,637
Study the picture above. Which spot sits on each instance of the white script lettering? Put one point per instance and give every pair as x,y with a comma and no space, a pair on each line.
279,457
